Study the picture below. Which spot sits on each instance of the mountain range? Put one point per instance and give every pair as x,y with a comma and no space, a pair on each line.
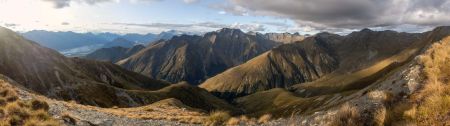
104,84
314,58
195,58
364,78
79,44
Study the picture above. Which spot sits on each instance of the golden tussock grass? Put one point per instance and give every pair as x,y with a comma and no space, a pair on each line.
431,104
434,99
347,115
14,111
265,118
217,118
233,121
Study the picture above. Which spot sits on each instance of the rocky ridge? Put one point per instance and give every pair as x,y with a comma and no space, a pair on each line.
195,58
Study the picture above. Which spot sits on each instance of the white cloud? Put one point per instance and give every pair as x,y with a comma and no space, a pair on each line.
232,9
190,1
248,27
66,3
222,12
197,27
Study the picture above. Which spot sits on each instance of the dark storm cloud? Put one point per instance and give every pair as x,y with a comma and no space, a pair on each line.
349,14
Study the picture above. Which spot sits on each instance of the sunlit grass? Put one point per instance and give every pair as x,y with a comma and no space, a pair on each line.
16,112
434,108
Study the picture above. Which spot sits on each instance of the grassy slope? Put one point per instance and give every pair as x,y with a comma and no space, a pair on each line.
336,82
15,111
90,82
310,97
189,95
431,105
278,68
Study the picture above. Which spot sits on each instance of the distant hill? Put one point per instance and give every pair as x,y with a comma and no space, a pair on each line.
114,54
64,40
120,42
140,38
79,44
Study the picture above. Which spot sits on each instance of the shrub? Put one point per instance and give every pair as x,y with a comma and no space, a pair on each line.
17,110
4,92
265,118
2,113
233,121
217,118
380,116
11,98
40,122
3,102
347,115
37,105
8,94
41,115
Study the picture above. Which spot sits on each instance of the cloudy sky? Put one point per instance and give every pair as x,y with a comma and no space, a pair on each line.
154,16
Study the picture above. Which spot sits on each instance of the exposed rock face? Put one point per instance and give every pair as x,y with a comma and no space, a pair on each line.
313,58
89,82
196,58
114,54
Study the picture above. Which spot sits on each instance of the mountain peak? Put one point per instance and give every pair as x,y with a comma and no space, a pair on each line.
229,30
366,30
442,28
